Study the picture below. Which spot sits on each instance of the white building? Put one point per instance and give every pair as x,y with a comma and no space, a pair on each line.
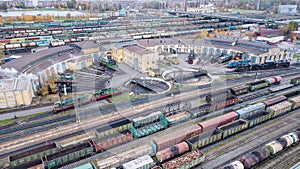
287,9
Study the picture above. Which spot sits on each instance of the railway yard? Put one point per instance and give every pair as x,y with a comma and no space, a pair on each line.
213,99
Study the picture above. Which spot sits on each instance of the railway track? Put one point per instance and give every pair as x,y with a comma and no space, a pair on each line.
250,140
64,129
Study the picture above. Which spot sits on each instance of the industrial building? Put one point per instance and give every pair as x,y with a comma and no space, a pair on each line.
15,92
287,9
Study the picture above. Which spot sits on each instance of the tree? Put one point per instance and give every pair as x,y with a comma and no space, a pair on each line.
3,6
293,26
71,4
68,15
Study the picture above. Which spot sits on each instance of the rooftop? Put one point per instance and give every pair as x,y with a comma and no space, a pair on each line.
86,45
21,64
138,49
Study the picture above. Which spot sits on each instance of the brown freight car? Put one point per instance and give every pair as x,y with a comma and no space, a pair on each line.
112,140
218,121
274,100
172,152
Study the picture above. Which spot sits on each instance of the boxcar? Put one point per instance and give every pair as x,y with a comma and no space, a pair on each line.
204,139
113,127
280,108
186,161
69,154
218,96
32,154
218,121
233,127
258,118
174,137
112,140
251,109
274,100
231,100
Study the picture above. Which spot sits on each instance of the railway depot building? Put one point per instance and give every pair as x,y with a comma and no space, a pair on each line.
15,92
47,62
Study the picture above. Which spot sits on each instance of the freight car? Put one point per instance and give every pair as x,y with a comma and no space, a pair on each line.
83,99
269,150
171,152
295,81
143,162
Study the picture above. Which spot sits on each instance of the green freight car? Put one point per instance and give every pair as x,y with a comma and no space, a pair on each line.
143,126
258,118
233,127
32,154
295,81
185,161
69,154
204,139
113,127
258,85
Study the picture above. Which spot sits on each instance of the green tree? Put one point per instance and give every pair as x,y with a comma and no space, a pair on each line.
68,16
71,4
293,26
3,6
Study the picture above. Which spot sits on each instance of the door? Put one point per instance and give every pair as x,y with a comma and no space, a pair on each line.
135,64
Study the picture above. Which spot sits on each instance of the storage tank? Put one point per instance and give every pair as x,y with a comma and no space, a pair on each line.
294,136
288,139
235,165
249,160
274,147
262,154
282,141
172,151
271,80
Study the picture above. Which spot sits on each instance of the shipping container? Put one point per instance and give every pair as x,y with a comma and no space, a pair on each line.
274,147
33,154
113,127
249,110
69,154
186,161
174,137
235,165
144,162
280,108
295,81
258,85
258,118
172,152
274,100
204,139
33,164
238,90
218,121
295,102
112,140
233,127
178,117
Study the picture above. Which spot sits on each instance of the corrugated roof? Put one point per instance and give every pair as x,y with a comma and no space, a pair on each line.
17,84
86,44
138,49
26,60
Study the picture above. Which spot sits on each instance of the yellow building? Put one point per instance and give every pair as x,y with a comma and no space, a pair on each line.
117,53
15,92
140,58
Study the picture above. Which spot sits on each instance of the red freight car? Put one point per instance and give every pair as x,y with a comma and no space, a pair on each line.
232,100
218,121
275,100
172,138
112,140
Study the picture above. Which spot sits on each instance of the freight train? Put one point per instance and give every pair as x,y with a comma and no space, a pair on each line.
83,99
265,66
267,151
169,145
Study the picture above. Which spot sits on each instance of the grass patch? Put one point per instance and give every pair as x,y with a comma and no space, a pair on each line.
8,121
296,56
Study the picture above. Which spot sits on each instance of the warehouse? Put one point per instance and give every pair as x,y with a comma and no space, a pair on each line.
15,92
